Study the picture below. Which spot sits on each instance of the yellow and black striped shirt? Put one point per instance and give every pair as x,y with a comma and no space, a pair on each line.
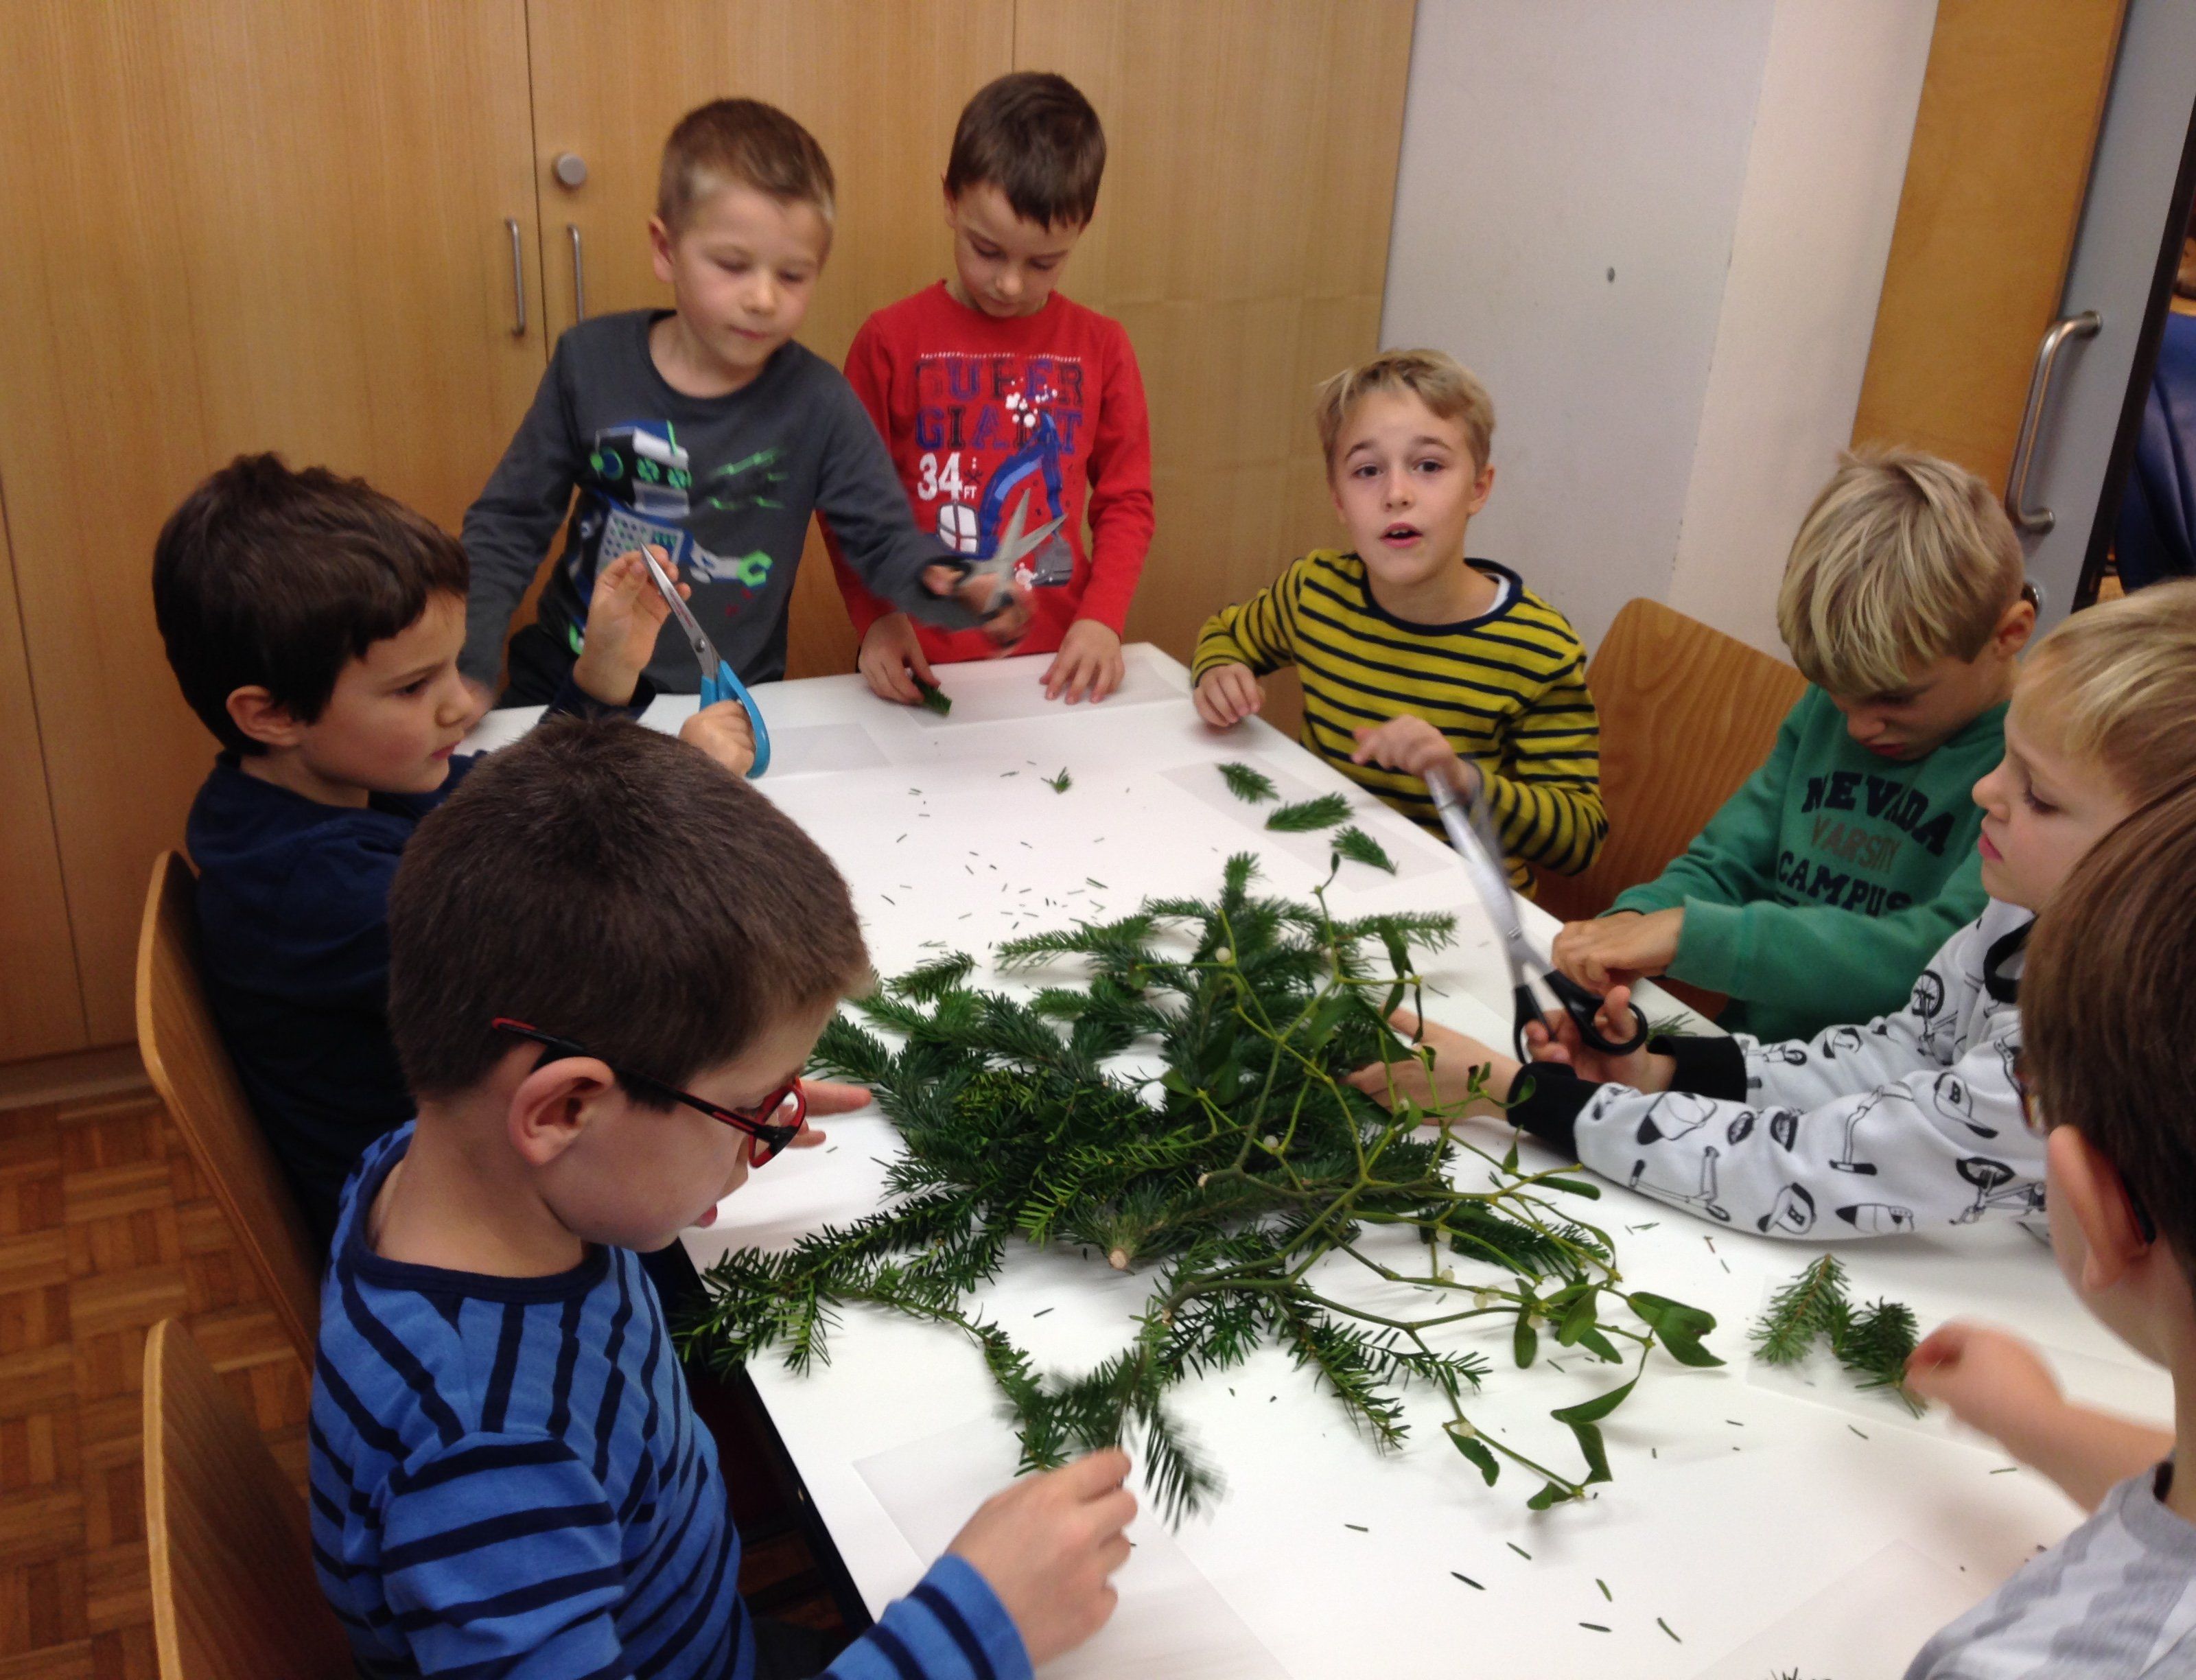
1506,689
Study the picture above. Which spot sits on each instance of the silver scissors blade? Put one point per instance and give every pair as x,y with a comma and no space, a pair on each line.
705,650
1472,835
1013,544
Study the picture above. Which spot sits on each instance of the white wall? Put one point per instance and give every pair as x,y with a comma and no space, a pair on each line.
1830,137
1736,163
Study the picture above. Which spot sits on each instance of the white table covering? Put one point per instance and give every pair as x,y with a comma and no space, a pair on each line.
1759,1519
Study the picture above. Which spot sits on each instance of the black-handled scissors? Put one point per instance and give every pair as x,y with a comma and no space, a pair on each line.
1475,841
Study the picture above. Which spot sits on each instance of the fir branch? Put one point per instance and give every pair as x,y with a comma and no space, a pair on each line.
1877,1344
1060,783
1812,1305
1308,816
1359,847
1250,785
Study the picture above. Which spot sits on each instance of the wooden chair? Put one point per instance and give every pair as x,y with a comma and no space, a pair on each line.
1687,714
233,1591
190,1068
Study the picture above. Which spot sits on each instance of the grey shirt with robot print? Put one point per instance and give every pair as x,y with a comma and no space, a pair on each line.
725,485
1905,1123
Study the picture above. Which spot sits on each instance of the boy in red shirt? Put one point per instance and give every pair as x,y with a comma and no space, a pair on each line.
991,391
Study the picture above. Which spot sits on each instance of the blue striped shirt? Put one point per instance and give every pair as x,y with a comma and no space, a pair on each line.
508,1479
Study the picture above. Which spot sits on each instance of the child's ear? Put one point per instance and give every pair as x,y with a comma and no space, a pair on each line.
552,1105
947,202
2087,1188
658,248
259,717
1481,488
2014,627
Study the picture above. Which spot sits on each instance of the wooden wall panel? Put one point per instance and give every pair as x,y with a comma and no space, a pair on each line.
879,82
41,1002
2010,105
234,225
1242,238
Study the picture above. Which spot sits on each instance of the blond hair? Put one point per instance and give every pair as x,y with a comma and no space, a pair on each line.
1434,377
746,142
1903,560
2116,685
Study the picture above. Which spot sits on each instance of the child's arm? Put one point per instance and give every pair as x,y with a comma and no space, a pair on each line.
508,530
1998,1384
1241,643
1120,491
865,507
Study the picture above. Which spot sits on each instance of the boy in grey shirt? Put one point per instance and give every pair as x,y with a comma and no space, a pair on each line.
2109,1023
705,432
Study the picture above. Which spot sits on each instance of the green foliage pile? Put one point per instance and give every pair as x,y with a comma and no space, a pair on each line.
1228,1175
1872,1343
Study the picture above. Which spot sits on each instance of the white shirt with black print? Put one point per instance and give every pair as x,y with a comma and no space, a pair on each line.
1912,1122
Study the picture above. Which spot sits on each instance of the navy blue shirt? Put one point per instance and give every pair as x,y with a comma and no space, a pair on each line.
293,948
508,1480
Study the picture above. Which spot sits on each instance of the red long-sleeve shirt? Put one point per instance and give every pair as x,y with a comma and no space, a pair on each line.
981,415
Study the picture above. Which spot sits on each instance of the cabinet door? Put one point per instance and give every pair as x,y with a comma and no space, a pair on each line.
1242,238
41,1002
234,225
879,82
2010,105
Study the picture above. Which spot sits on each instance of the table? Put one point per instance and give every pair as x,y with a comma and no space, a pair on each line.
1759,1519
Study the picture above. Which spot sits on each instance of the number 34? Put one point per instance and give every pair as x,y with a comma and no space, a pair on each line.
931,483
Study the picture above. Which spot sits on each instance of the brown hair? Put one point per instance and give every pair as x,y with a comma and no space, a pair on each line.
747,141
277,580
2106,1020
1033,136
612,885
2115,684
1903,559
1434,377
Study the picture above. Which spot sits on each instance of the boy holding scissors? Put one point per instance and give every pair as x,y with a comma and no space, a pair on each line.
705,430
314,625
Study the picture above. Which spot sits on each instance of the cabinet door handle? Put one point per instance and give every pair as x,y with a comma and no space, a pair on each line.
2036,521
579,274
518,277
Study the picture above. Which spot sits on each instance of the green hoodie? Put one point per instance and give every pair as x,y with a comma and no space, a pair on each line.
1825,883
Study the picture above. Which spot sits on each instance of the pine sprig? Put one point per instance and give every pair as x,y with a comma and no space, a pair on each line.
1873,1342
1252,787
1224,1177
1359,847
1309,816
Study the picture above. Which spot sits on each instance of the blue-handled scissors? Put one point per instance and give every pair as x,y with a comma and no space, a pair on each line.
719,681
1473,837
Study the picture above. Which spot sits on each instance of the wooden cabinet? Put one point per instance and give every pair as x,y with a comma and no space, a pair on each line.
248,224
234,225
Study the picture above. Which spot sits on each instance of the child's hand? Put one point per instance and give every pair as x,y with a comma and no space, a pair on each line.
623,616
1046,1546
826,1096
1455,1054
1090,659
890,652
1616,951
1557,1039
1009,596
724,732
1227,694
1992,1380
1416,747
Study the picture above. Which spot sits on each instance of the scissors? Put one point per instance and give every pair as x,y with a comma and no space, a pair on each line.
1472,833
1010,549
718,680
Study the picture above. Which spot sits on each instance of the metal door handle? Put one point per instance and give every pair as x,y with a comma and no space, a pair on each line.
579,274
517,278
2037,520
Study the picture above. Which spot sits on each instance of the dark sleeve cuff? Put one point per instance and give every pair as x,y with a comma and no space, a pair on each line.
1549,1107
1709,1065
571,701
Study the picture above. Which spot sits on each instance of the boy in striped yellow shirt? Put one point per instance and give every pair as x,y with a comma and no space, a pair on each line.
1414,658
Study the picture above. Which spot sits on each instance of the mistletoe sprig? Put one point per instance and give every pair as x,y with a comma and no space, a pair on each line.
1227,1177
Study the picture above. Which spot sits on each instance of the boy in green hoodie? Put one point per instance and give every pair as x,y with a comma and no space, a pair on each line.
1819,891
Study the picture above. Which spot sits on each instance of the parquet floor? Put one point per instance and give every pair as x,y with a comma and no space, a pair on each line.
106,1228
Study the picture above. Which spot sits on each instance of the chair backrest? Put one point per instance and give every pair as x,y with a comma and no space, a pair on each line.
233,1591
1687,714
190,1068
